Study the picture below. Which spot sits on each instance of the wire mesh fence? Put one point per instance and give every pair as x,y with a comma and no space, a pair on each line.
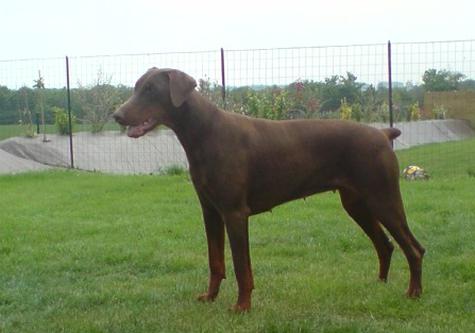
441,74
100,84
433,89
284,66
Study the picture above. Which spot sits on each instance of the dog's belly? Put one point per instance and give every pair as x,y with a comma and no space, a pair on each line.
267,197
293,176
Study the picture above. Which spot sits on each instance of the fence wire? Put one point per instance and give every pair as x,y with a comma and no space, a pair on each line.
446,113
347,82
283,66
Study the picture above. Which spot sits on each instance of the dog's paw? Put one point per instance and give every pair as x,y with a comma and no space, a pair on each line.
206,297
241,308
414,292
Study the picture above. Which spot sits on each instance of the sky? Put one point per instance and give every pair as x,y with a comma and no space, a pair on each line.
55,28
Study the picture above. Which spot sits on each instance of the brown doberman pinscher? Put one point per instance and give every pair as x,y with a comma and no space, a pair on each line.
242,166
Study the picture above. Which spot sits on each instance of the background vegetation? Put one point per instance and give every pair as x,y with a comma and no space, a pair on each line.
335,97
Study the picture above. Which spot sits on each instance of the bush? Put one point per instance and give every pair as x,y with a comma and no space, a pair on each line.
269,104
26,123
345,110
439,112
61,120
356,112
98,101
414,112
173,170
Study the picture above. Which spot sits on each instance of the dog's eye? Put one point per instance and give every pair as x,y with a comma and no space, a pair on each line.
148,88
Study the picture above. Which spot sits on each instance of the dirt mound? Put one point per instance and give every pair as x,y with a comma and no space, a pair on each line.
12,164
35,150
107,152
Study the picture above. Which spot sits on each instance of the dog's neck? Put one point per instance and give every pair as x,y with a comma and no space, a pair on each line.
194,122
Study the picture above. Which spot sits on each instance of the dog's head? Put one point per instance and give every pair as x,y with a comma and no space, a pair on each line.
157,93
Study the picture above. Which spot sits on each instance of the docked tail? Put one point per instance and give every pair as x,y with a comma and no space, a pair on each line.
391,133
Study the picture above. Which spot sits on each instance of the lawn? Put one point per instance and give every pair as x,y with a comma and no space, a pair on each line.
442,160
87,252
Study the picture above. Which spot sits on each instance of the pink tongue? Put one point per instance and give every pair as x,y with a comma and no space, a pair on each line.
135,131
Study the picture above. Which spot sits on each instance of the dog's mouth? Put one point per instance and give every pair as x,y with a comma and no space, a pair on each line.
137,131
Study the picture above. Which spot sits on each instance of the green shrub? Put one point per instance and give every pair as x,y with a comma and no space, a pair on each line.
26,124
414,112
61,120
345,110
439,112
173,170
356,112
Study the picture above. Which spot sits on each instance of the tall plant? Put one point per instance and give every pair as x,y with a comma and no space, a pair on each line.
98,101
26,119
40,87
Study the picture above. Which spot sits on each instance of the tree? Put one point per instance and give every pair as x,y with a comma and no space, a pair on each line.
468,84
98,102
7,107
337,88
441,80
40,87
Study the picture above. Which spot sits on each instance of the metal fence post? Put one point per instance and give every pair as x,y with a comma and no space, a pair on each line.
223,80
390,86
69,114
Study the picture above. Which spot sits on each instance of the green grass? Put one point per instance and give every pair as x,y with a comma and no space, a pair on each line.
442,160
87,252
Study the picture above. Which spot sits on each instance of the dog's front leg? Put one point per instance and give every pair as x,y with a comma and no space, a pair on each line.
238,234
214,226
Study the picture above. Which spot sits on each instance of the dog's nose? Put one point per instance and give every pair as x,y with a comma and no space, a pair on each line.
118,117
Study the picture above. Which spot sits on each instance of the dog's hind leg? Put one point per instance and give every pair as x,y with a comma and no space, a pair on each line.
356,207
390,211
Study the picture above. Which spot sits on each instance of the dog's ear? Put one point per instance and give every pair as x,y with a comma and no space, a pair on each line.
181,86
